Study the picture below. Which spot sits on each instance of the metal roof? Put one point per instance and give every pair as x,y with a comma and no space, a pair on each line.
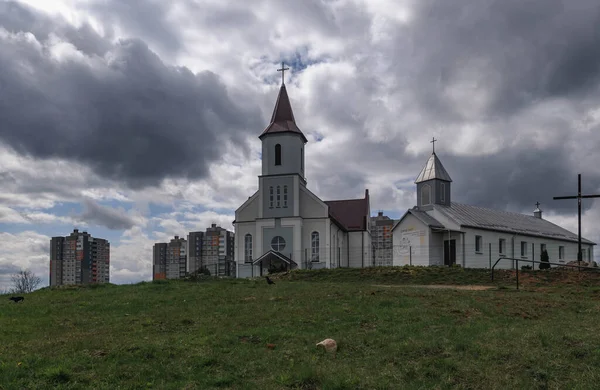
426,218
505,221
433,169
282,120
422,216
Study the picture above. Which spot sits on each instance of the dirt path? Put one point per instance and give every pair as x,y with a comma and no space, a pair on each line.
455,287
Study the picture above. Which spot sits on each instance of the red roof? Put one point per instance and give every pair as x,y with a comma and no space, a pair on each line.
351,214
282,120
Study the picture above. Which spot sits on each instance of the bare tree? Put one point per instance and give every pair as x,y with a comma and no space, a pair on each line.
25,281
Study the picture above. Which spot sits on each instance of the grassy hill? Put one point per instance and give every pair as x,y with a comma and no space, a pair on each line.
214,334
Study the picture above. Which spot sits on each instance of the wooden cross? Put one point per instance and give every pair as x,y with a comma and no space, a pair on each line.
578,197
433,142
282,70
537,205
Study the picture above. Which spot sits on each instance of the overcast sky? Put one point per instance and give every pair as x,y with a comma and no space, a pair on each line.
139,120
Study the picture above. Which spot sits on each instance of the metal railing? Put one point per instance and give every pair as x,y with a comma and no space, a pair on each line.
539,262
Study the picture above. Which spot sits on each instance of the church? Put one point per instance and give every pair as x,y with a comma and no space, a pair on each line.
284,225
440,232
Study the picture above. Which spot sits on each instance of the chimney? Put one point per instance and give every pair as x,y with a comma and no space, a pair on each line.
177,237
213,225
537,212
75,230
380,214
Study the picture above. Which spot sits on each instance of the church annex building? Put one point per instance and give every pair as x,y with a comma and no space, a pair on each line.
441,232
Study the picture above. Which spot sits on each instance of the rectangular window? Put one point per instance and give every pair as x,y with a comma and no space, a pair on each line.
271,197
478,243
501,246
443,192
523,249
278,196
561,252
284,196
542,248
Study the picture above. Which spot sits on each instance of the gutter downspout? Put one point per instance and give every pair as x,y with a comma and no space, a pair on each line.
513,249
363,249
348,249
463,248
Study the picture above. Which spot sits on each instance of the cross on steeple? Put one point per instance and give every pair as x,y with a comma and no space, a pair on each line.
537,205
433,142
282,70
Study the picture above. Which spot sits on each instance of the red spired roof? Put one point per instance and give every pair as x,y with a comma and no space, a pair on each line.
351,214
282,120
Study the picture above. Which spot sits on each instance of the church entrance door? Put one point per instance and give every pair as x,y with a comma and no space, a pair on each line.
449,252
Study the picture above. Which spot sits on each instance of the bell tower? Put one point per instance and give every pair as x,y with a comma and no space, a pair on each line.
433,183
282,159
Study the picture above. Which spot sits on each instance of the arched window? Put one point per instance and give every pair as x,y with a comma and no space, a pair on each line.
277,154
425,195
443,192
271,197
314,244
248,248
284,196
278,196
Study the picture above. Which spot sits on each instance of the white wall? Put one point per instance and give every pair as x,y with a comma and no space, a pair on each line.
358,256
314,225
411,232
482,260
249,210
336,237
311,206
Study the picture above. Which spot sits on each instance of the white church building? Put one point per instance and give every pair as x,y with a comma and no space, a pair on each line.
441,232
284,225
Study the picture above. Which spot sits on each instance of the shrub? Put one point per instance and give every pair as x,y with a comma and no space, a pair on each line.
545,260
526,268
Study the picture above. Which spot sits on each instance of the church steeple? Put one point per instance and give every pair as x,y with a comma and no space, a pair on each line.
282,120
283,141
433,183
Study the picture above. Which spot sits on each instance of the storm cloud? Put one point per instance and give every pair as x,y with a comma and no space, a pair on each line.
126,114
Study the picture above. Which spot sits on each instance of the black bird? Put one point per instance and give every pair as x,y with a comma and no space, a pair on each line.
269,280
16,299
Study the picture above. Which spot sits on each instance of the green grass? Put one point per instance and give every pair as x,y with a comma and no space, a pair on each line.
185,335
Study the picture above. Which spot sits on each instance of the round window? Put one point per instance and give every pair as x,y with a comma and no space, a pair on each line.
278,243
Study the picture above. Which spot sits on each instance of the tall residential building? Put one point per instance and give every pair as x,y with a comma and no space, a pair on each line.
169,259
212,249
176,258
159,261
195,243
381,238
79,259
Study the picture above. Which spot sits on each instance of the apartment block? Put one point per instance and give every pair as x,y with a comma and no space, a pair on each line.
381,239
195,244
79,258
159,261
169,260
212,249
176,258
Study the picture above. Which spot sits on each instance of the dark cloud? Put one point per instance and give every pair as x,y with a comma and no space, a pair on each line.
112,218
531,176
127,115
517,51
